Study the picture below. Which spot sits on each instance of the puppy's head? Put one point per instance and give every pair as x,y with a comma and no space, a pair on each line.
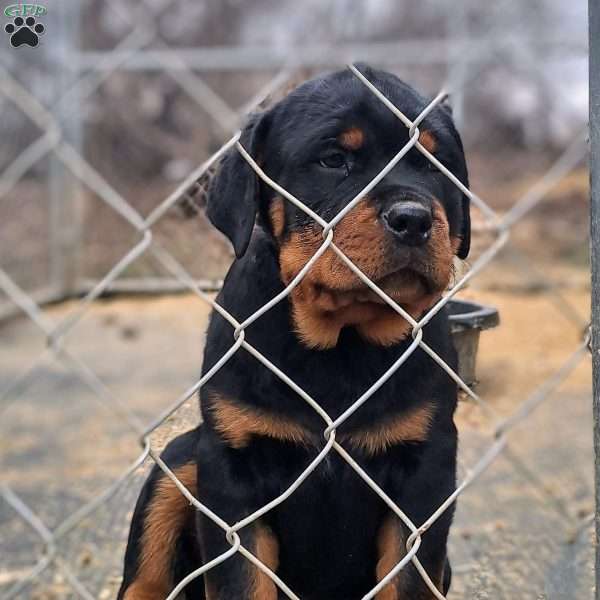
324,143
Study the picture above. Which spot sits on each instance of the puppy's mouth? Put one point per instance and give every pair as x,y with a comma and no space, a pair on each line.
404,286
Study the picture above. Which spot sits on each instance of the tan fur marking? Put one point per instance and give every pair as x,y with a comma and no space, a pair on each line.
165,518
140,591
266,549
277,216
361,237
237,424
352,139
331,296
210,590
330,285
455,242
412,427
390,550
428,140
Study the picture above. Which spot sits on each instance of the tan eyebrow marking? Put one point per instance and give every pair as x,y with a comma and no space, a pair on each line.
352,139
428,140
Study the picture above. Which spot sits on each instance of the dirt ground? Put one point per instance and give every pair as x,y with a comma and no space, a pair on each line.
520,529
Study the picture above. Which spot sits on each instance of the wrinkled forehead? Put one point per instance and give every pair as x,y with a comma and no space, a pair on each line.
323,108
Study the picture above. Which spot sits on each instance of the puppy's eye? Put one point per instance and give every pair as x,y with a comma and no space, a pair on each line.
333,160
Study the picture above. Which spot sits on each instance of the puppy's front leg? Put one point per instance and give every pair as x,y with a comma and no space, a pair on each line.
231,487
419,495
162,545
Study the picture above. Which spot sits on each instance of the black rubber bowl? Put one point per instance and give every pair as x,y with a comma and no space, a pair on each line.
467,321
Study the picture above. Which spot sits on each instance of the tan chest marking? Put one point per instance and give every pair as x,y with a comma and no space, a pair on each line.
238,424
411,427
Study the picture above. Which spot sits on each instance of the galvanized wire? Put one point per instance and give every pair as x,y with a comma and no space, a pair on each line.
51,141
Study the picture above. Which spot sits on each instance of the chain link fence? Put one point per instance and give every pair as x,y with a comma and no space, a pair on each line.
70,171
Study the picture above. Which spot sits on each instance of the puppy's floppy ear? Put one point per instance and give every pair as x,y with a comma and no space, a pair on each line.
463,175
234,192
465,230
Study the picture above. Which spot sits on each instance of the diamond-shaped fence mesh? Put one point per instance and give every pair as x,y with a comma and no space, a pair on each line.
66,159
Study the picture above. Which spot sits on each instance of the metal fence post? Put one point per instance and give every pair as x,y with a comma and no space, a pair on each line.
65,213
594,24
457,66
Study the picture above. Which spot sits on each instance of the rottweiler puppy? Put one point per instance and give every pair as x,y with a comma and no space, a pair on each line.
333,538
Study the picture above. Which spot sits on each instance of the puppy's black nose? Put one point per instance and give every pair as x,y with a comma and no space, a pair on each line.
410,222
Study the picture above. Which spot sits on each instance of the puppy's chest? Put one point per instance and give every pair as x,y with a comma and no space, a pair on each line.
337,379
334,513
333,485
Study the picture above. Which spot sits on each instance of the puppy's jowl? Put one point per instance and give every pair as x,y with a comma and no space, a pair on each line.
333,538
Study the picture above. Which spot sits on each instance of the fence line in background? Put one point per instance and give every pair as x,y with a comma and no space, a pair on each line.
463,57
407,52
56,333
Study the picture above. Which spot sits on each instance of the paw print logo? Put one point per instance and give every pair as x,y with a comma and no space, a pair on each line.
24,31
